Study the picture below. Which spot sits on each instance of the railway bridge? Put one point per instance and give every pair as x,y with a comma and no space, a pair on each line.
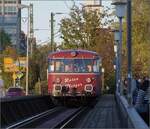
110,111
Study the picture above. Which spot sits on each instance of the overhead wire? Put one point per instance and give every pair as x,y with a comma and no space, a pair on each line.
69,7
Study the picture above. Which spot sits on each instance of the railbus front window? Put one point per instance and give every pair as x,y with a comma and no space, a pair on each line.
74,65
59,66
69,65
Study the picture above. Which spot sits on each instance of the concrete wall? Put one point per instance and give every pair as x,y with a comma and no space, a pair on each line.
15,109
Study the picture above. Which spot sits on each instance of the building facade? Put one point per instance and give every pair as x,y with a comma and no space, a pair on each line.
92,4
10,20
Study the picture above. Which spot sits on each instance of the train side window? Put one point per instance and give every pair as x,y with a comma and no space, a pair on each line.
96,66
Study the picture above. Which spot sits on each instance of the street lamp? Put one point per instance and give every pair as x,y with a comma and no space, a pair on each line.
116,50
27,54
120,7
129,46
116,35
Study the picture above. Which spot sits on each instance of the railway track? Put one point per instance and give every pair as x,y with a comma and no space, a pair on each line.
71,119
27,122
58,117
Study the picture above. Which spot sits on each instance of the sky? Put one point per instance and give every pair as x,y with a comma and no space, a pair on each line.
42,10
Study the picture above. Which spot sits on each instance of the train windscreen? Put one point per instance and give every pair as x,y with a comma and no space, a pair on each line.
74,65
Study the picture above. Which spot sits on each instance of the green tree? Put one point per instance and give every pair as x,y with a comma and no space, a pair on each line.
140,39
38,65
7,77
79,31
90,30
4,40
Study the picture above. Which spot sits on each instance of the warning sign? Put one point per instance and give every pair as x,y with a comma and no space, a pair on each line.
19,75
11,65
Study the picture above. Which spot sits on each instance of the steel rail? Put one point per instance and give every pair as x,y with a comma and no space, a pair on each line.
73,117
33,118
69,119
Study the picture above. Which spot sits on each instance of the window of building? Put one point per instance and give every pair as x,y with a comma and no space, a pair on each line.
11,30
10,10
10,1
11,19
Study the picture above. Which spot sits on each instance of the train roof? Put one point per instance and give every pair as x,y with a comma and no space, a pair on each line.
68,54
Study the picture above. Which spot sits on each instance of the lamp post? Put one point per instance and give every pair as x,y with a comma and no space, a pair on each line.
115,73
129,46
120,13
27,54
116,50
115,65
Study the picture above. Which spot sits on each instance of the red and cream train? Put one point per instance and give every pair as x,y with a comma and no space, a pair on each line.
74,73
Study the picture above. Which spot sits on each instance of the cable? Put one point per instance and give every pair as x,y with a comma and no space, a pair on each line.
73,1
66,4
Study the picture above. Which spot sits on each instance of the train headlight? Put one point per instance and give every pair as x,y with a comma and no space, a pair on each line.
88,88
58,88
58,80
88,80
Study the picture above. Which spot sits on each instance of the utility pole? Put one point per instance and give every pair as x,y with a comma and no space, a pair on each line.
18,28
31,33
27,56
1,29
52,32
120,56
129,46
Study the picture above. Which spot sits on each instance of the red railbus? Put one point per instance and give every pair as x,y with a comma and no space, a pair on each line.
74,73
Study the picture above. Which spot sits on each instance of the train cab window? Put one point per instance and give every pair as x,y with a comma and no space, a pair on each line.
74,65
89,68
68,65
59,66
69,68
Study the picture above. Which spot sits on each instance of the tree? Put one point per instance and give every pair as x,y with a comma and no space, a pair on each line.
38,65
90,30
78,31
4,40
7,77
140,39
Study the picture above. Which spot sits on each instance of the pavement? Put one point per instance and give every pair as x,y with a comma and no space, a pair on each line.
103,115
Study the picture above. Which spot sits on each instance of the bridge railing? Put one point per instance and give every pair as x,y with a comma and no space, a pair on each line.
129,116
